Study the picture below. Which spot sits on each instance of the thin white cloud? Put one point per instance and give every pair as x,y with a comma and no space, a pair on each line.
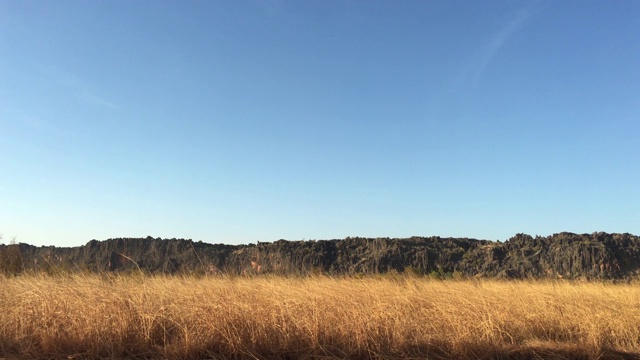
272,8
98,101
41,125
491,48
82,89
498,40
35,123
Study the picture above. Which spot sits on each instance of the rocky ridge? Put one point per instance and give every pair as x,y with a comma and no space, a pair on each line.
562,255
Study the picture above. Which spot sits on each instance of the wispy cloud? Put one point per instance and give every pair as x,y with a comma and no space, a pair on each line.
272,8
35,123
42,126
82,89
92,99
498,40
491,48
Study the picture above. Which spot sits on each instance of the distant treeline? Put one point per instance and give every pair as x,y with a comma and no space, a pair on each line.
563,255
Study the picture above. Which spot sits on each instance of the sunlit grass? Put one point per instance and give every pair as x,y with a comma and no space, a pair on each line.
101,316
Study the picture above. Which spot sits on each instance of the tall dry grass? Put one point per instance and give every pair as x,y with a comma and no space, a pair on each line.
99,316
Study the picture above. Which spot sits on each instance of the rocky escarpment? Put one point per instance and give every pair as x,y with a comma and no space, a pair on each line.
565,255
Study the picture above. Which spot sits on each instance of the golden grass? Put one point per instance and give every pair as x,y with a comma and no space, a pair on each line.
100,316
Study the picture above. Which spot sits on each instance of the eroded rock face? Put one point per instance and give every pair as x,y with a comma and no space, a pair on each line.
563,255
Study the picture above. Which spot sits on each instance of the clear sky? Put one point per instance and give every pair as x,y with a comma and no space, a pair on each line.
243,121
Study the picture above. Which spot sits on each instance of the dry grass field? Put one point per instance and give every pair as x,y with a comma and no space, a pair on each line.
101,316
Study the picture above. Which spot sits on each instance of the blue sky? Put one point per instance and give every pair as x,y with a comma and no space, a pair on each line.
243,121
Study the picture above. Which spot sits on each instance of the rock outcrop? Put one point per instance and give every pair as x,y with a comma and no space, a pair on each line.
563,255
